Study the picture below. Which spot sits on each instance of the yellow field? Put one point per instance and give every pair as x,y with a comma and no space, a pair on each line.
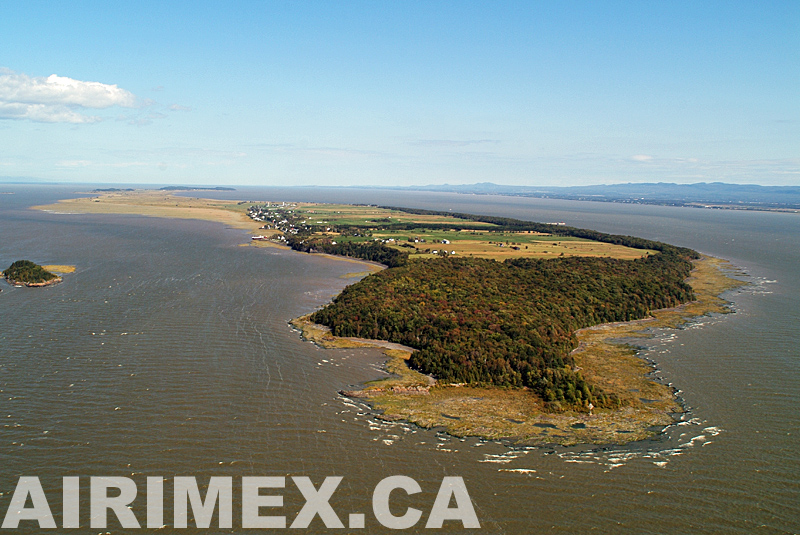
484,248
347,214
480,243
59,269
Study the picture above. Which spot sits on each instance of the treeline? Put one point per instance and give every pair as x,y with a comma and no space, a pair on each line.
28,272
372,251
308,241
517,225
507,323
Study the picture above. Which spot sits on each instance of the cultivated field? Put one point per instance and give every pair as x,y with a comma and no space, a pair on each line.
484,240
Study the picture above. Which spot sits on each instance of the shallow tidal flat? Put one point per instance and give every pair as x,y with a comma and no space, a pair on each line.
604,356
156,204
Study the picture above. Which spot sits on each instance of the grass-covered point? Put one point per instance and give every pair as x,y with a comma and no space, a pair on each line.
509,323
27,272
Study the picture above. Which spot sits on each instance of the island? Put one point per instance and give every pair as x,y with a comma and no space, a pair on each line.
27,273
493,327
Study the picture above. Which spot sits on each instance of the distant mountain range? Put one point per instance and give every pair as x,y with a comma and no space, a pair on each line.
707,195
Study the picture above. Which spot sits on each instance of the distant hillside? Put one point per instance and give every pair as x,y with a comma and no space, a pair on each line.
715,194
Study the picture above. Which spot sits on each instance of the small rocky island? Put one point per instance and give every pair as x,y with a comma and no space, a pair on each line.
27,273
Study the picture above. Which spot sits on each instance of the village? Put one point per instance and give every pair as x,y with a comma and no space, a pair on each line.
421,236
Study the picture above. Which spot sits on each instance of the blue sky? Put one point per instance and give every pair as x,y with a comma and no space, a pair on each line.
401,93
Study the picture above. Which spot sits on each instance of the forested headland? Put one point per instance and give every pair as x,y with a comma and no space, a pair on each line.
483,322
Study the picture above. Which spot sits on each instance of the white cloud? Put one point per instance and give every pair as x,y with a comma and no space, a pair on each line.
43,113
54,89
178,107
56,99
641,158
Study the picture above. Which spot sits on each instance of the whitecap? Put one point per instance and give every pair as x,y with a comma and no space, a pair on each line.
518,470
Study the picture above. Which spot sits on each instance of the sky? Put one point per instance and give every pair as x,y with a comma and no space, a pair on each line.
350,93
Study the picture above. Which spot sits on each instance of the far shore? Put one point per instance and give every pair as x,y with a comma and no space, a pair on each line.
496,413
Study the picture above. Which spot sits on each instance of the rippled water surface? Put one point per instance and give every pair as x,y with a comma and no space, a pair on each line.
168,353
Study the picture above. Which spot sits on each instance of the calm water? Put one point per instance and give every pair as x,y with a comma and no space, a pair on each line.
168,353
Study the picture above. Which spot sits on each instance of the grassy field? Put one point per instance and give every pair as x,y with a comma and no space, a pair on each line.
484,242
366,216
502,245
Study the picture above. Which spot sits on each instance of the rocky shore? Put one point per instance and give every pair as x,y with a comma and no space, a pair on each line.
647,406
51,282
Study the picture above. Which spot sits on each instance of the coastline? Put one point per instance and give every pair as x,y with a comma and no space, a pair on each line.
493,412
20,284
604,355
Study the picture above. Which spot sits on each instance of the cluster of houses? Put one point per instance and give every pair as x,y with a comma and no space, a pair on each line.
417,239
276,216
281,217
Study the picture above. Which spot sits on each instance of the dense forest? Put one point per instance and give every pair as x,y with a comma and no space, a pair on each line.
509,323
372,251
27,272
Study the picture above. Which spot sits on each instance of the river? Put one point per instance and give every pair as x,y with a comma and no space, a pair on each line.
167,353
